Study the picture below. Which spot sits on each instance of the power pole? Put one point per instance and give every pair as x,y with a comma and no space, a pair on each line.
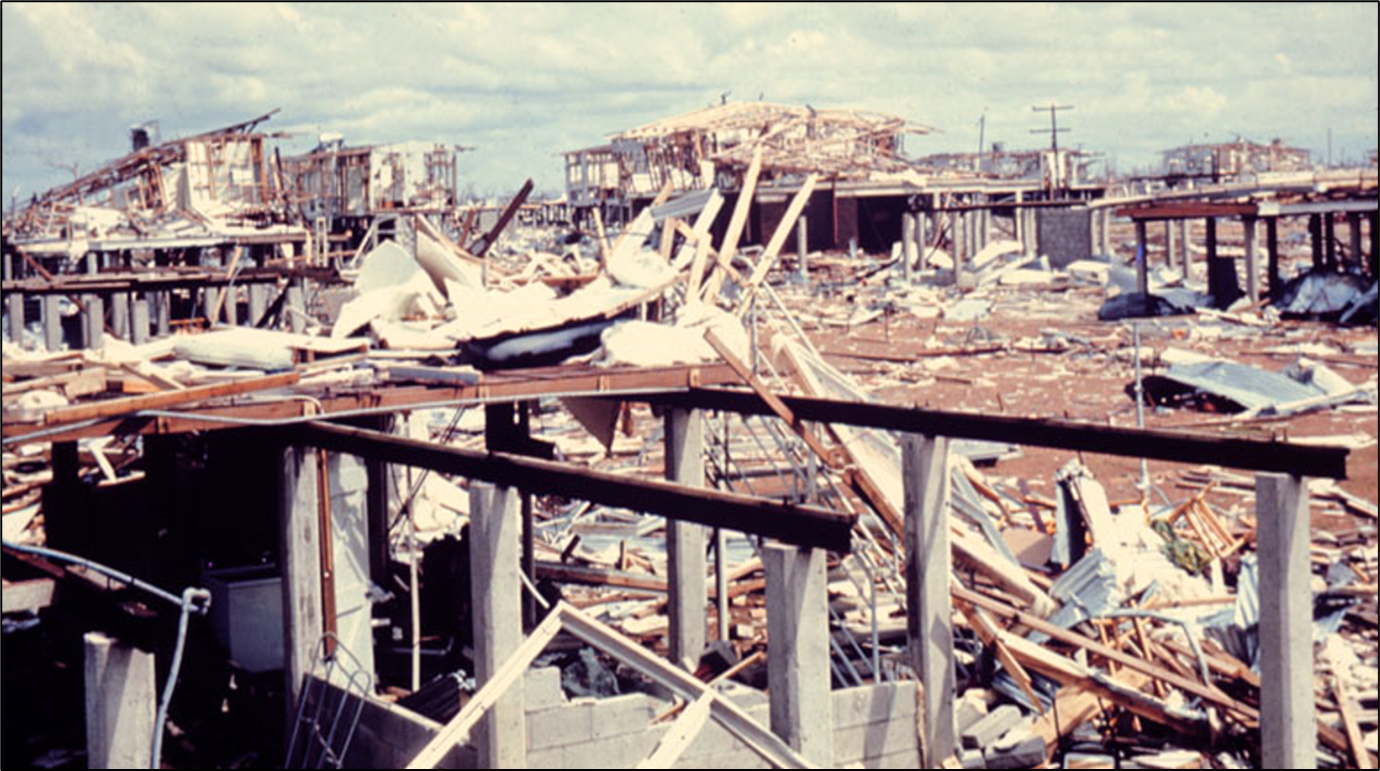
1053,132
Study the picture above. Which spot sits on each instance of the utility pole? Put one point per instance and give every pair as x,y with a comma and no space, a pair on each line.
1053,132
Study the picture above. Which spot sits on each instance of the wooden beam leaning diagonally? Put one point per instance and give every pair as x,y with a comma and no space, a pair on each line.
741,209
801,525
777,406
778,239
564,618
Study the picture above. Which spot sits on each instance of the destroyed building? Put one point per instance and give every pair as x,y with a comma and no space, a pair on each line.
1229,160
810,457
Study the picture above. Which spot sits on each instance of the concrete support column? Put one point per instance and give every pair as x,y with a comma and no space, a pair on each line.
209,296
1288,731
802,243
908,251
121,703
119,314
1107,231
986,227
1169,243
1252,268
496,594
1353,227
93,322
922,228
232,305
1142,259
798,678
14,305
1017,223
685,542
300,556
163,316
1374,243
297,308
52,322
258,303
1272,257
139,322
1186,244
929,625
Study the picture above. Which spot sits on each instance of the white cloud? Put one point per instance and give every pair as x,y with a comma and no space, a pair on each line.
525,82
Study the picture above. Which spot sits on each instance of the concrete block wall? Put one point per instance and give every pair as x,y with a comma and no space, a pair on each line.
874,727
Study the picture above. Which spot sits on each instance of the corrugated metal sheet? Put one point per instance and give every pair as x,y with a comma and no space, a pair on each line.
1247,386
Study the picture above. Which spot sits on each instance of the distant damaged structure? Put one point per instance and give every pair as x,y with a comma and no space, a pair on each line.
215,188
1228,160
714,147
339,182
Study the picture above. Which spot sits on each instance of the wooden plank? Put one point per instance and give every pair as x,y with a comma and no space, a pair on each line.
681,733
498,684
487,240
801,525
1208,692
1355,739
989,636
1158,444
778,239
777,406
741,209
113,407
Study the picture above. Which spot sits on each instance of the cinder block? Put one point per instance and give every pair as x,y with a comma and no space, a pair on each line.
875,739
621,715
987,730
541,689
561,726
872,703
623,751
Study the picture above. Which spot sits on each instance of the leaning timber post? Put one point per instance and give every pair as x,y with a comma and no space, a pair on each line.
798,677
685,542
300,549
1274,284
1288,731
1142,259
929,624
496,594
1252,279
120,703
1353,227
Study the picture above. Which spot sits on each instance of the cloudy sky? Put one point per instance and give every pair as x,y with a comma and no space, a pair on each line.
522,83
